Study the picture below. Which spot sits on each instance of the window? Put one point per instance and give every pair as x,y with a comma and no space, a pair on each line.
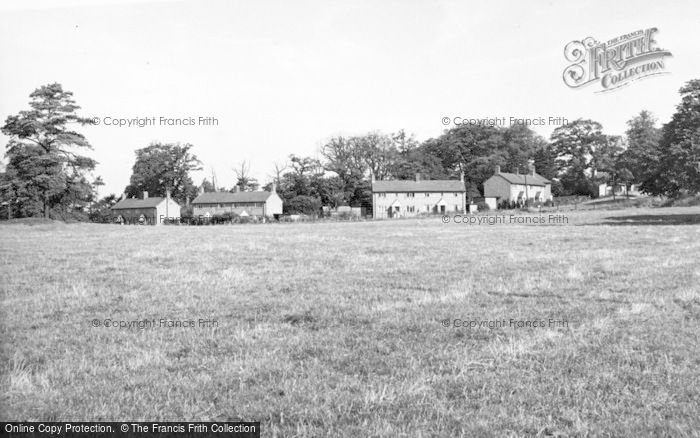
411,209
427,207
456,194
410,195
382,195
427,194
456,207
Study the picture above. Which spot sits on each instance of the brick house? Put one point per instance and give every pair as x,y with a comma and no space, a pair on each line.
146,211
259,203
391,199
516,187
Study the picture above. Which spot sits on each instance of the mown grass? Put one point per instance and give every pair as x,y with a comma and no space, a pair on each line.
335,329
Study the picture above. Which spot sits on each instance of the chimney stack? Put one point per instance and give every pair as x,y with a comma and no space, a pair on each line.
145,194
372,175
167,194
124,196
236,189
532,170
461,176
498,170
273,189
417,177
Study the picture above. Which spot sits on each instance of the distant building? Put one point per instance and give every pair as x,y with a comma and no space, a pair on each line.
516,187
391,199
146,211
619,189
259,204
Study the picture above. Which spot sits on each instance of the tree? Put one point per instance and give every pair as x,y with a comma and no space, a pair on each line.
302,205
545,161
472,149
206,186
678,169
575,145
278,171
521,144
244,181
101,211
642,155
164,166
608,158
344,158
45,172
378,153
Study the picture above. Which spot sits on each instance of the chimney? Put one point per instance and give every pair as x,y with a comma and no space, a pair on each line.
532,170
517,171
145,194
461,176
417,177
498,170
187,201
201,189
236,189
273,189
372,175
124,196
167,193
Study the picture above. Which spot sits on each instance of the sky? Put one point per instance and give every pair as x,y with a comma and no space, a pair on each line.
282,77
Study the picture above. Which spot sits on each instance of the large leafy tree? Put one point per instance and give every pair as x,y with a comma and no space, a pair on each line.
46,174
575,146
678,169
164,166
472,149
642,155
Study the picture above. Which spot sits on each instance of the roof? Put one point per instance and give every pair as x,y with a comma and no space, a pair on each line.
227,197
138,203
437,185
532,180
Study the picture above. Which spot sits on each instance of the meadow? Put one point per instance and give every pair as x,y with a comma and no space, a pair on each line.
378,328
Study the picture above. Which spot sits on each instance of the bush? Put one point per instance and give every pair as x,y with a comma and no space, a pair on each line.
483,206
303,205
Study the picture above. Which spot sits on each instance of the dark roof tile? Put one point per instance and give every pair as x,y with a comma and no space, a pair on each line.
227,197
138,203
419,186
532,180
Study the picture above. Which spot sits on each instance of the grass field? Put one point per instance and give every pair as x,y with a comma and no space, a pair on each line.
338,329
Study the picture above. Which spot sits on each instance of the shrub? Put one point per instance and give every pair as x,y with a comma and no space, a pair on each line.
483,206
303,205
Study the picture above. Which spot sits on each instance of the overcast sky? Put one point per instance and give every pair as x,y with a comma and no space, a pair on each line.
283,76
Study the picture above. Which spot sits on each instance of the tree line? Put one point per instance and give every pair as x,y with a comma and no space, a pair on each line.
49,174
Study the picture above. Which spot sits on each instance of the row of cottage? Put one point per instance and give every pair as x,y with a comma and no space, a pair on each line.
390,199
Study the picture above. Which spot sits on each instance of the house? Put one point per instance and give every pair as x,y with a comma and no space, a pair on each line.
516,187
606,188
259,203
146,211
391,199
